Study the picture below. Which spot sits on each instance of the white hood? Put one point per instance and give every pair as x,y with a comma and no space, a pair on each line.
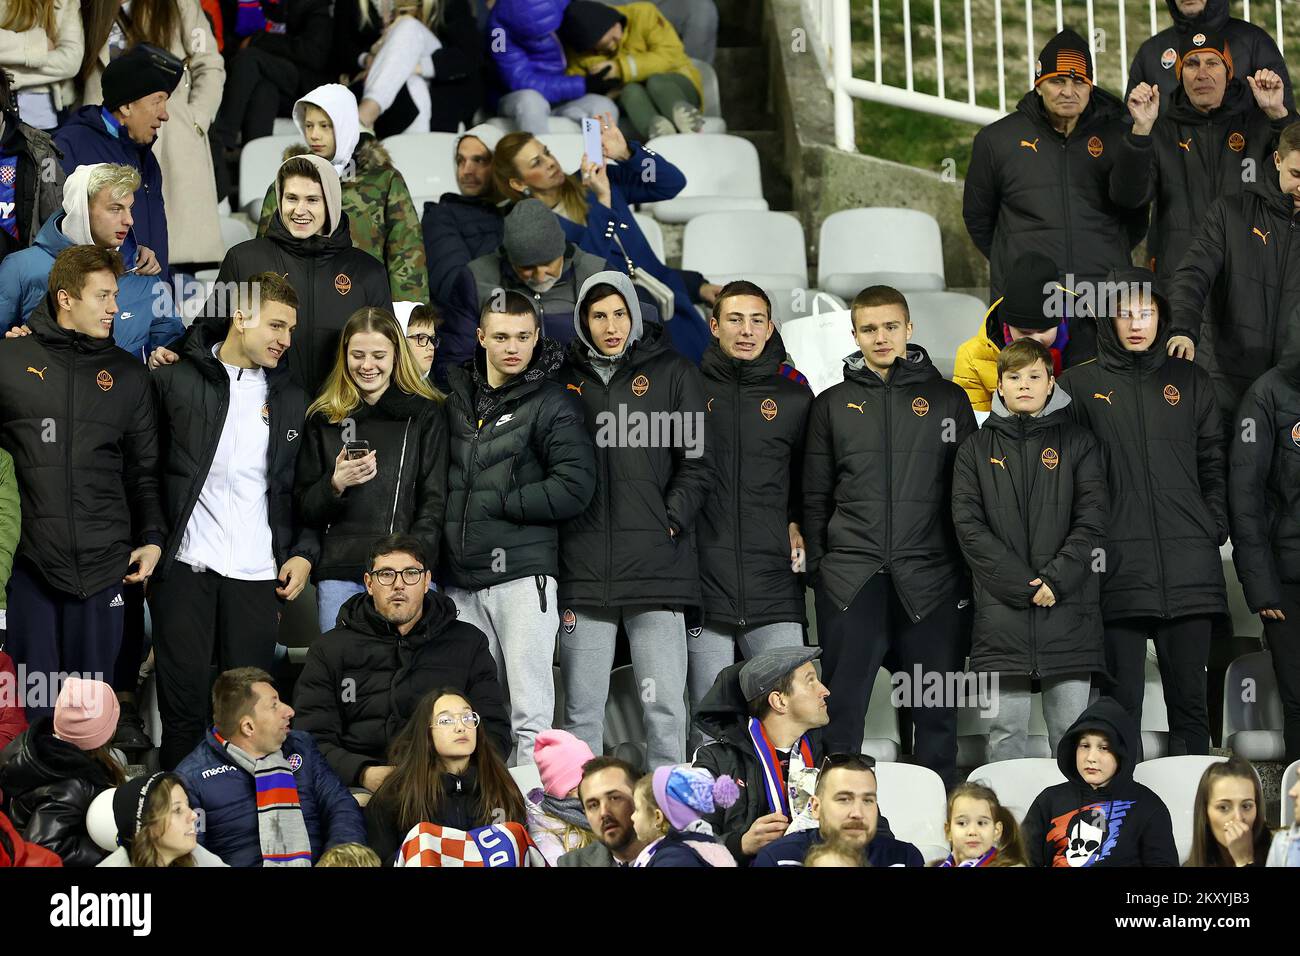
76,205
341,106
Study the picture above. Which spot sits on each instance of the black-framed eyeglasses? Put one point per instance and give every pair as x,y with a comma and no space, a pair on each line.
856,761
424,339
387,576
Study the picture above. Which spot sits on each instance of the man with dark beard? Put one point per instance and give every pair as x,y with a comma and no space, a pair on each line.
606,795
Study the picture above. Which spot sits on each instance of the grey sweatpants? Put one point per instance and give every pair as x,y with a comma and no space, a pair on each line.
521,637
657,638
696,22
1064,699
532,113
715,649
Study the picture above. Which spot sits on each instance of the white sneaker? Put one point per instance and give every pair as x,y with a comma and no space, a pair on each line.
687,118
659,126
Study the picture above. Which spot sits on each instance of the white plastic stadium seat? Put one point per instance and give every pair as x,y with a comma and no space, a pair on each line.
721,173
1018,782
233,232
559,124
1174,780
284,126
526,778
880,736
1252,728
914,800
1288,781
654,235
767,248
427,161
258,162
898,247
712,106
941,322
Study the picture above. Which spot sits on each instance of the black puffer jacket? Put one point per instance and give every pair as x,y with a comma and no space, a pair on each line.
619,551
363,681
515,476
1264,487
1250,46
877,482
1076,200
1159,426
408,434
77,415
1193,158
757,422
48,786
193,399
333,279
1029,501
1245,262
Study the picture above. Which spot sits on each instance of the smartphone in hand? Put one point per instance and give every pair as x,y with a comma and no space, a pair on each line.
591,144
356,449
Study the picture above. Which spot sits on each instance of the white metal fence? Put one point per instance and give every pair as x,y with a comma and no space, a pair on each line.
829,29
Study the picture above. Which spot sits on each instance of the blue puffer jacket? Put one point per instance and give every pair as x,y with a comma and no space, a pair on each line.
146,316
530,56
222,792
87,137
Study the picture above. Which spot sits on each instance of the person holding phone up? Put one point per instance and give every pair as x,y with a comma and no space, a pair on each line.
374,458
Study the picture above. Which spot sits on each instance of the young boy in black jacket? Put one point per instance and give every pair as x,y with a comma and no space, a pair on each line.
1099,817
1029,505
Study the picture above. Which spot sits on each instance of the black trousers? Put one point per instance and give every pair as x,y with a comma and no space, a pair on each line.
195,613
259,87
126,674
1183,650
854,643
1283,639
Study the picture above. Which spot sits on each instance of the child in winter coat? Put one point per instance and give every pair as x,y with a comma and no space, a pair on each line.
669,808
557,822
1099,816
155,825
980,830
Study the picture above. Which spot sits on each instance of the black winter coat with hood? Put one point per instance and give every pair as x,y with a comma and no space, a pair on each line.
757,419
1078,200
653,471
1160,430
363,681
1029,501
48,785
193,401
1250,46
1245,263
1264,484
1194,158
1120,823
77,415
522,463
877,483
408,434
332,277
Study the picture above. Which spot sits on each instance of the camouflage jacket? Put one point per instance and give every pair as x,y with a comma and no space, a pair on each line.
384,221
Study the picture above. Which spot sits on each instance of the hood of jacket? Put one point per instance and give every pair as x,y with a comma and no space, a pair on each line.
1268,190
1103,107
547,358
1111,353
338,103
1237,98
718,364
1107,716
912,368
1053,412
724,712
52,335
1289,362
72,226
1214,16
437,614
624,285
37,758
336,222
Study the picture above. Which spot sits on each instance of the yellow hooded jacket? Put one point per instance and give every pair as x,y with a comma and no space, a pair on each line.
650,45
976,367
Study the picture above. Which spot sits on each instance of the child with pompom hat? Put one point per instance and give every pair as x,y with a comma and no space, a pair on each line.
557,822
670,807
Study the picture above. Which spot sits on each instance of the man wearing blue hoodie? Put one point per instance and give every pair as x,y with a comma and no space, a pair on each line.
97,204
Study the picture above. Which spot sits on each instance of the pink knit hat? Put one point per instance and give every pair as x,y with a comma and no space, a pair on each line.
559,757
85,715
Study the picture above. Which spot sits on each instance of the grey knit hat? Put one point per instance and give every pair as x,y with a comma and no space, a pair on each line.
533,234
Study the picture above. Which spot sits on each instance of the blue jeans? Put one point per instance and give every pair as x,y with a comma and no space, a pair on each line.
330,596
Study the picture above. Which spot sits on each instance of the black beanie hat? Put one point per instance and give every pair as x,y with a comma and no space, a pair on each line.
129,801
1066,54
140,72
1202,41
1024,301
585,22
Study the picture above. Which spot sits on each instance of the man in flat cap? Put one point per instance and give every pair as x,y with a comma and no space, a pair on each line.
760,713
122,130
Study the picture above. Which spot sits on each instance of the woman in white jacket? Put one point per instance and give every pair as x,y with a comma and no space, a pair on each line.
189,184
41,45
155,825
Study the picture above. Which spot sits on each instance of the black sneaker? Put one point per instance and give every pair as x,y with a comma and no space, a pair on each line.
130,736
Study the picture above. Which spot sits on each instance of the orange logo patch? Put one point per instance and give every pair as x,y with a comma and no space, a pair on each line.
104,380
1171,395
342,284
1254,231
921,407
640,385
38,372
1050,459
266,414
1236,142
1295,433
1095,147
576,388
768,408
568,620
1028,145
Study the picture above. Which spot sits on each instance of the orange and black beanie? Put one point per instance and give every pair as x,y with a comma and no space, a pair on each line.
1066,54
1202,40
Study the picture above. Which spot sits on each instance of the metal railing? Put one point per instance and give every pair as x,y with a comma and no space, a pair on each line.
830,35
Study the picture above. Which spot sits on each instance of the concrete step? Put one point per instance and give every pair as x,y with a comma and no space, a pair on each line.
744,88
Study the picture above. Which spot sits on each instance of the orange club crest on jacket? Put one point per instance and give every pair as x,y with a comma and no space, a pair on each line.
1050,459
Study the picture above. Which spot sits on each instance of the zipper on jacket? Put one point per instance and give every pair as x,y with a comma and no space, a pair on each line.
1281,277
1151,499
401,462
1065,194
469,469
67,445
1029,547
609,515
735,485
889,503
